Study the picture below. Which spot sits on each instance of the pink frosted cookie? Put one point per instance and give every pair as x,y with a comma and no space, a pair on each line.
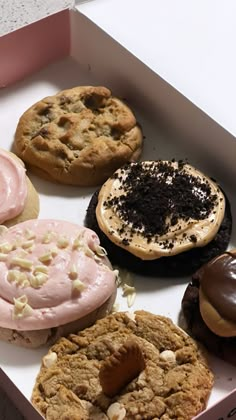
18,198
55,278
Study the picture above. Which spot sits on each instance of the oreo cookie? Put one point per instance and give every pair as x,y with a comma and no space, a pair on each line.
156,201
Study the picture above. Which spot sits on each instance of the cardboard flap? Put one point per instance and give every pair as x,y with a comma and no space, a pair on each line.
16,14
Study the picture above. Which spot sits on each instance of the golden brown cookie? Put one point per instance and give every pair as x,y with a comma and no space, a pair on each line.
80,136
164,373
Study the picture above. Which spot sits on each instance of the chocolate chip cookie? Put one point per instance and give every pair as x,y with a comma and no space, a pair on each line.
127,366
79,136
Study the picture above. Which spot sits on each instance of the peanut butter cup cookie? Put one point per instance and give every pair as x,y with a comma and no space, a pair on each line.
209,306
161,218
79,136
127,366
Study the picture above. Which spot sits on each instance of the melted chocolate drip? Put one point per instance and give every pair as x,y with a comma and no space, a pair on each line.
218,282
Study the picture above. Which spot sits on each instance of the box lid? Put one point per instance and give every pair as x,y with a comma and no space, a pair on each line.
18,13
189,44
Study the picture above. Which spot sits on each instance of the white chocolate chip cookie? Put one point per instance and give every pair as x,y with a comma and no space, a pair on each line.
143,369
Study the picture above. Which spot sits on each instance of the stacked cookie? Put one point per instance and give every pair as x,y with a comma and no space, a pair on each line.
208,306
55,278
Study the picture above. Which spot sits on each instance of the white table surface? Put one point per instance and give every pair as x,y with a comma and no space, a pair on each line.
191,44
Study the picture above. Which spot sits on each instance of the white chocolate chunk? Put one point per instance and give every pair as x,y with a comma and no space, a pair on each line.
21,262
100,251
22,253
26,311
21,307
130,293
116,411
27,244
76,243
38,279
168,356
45,258
29,234
47,238
73,273
50,359
54,251
78,285
62,241
20,302
41,277
131,315
131,299
25,283
128,289
41,269
6,247
18,277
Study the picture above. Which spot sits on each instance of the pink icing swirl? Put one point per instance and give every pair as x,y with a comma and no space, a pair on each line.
13,187
54,303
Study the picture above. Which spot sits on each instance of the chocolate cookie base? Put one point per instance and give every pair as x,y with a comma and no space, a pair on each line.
223,347
182,264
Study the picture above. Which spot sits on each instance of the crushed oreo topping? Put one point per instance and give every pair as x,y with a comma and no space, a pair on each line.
157,196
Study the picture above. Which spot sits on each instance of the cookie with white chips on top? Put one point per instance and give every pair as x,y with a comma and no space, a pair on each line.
55,278
127,366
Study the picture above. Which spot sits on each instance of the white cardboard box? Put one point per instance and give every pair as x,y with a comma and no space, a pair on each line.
188,43
65,50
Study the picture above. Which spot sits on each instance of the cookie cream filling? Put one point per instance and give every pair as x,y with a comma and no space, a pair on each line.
13,187
51,272
217,294
160,208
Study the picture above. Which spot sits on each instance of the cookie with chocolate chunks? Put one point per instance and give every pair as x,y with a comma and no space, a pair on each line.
160,218
209,306
78,136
